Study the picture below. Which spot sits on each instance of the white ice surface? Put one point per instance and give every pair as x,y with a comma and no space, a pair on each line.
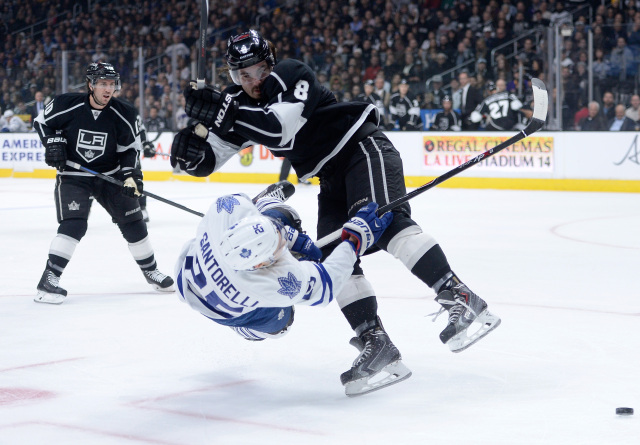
117,363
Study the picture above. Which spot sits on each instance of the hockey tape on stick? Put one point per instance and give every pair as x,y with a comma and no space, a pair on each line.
540,107
119,183
202,50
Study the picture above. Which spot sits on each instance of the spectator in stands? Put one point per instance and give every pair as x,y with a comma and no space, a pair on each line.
374,67
594,121
608,109
621,122
13,123
38,106
633,112
469,98
412,71
383,89
336,87
481,69
623,65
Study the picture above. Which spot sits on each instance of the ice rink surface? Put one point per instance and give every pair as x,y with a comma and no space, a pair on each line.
117,363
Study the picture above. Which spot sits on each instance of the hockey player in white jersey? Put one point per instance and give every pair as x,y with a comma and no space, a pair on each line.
240,270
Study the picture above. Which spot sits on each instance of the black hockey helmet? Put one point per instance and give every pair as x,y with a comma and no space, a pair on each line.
247,49
102,70
490,86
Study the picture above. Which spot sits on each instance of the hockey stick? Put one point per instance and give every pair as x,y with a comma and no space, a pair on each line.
202,55
540,105
121,184
282,190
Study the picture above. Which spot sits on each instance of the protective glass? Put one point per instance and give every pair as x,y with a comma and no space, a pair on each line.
251,74
106,84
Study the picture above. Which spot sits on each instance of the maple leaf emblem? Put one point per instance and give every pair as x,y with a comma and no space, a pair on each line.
290,285
226,203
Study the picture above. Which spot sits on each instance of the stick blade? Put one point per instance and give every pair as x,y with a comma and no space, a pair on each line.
540,100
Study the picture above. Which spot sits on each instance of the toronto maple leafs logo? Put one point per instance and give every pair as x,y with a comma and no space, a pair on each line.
290,285
226,203
246,253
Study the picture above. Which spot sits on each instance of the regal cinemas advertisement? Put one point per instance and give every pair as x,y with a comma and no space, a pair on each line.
532,154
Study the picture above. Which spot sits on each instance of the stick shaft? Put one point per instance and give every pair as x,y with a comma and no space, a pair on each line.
120,184
202,50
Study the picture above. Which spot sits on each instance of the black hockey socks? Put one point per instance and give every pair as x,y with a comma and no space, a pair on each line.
432,266
361,314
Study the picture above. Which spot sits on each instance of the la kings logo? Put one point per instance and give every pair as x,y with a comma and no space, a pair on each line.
91,144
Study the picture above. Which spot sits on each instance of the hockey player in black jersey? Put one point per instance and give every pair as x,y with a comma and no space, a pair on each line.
447,119
368,96
404,111
282,106
98,131
500,108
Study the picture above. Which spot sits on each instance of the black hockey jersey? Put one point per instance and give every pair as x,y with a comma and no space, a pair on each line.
501,109
405,112
450,121
102,140
374,99
296,118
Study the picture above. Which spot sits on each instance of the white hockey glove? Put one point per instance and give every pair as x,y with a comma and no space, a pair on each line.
366,228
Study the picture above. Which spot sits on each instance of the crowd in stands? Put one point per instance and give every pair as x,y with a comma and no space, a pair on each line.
428,44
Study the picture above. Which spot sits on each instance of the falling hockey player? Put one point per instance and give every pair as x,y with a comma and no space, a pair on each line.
240,270
282,106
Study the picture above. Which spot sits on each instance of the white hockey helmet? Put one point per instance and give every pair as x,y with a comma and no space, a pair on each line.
253,242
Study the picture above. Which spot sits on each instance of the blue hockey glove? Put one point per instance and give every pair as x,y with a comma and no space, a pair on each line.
366,227
301,244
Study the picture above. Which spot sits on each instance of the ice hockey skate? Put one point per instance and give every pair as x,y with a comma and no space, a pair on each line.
281,190
159,281
48,289
466,310
378,365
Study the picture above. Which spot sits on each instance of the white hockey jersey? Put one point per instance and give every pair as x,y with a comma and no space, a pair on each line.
217,291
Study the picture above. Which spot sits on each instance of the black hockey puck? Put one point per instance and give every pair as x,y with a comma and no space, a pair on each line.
624,411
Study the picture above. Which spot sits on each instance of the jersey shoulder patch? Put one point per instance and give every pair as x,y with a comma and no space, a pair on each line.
64,102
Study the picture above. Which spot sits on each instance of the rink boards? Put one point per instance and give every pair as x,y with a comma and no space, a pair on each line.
587,161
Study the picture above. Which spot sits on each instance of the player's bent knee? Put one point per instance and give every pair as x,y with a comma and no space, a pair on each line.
73,228
410,245
356,288
133,231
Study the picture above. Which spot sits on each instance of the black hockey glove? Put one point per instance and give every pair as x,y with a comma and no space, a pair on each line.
366,228
191,151
55,152
148,149
215,109
132,182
